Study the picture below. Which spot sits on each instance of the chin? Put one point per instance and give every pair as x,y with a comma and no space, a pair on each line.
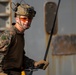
27,28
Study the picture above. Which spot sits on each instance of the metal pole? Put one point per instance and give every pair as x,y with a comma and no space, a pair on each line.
47,49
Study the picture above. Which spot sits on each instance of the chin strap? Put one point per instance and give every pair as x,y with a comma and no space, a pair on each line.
21,25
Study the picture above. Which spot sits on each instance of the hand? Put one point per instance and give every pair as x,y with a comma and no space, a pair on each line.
42,64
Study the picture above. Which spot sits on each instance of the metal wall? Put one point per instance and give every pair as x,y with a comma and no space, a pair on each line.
36,39
64,64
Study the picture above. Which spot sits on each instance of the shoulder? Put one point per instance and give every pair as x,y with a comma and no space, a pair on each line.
6,38
8,33
10,30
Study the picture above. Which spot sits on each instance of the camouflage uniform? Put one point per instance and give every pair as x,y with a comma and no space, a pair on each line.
12,54
12,50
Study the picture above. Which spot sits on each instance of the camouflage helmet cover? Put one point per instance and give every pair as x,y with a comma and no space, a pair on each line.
25,10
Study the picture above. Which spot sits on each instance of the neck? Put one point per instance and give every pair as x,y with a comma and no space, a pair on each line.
19,27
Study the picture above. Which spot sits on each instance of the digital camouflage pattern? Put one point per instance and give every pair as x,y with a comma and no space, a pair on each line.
5,39
26,10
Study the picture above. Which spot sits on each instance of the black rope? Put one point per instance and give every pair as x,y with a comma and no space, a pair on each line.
47,49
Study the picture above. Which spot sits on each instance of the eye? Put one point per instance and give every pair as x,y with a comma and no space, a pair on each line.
25,19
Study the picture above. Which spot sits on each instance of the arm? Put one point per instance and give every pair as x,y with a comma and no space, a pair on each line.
5,39
30,63
27,62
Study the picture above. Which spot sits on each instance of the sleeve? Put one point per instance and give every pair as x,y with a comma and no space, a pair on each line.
27,62
5,40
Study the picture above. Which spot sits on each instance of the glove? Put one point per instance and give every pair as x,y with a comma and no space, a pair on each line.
2,73
42,64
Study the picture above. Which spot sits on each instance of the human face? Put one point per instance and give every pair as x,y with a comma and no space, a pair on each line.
24,22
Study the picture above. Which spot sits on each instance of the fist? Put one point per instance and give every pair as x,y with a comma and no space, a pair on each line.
42,64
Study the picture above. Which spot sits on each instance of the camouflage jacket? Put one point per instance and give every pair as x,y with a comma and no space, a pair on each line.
12,54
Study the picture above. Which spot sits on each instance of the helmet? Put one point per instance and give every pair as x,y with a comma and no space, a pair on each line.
25,10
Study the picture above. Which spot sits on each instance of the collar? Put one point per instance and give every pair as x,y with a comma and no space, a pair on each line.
17,31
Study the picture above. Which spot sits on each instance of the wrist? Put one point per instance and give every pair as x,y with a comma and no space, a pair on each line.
35,63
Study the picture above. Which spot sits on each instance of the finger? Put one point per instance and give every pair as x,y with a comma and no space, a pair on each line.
45,66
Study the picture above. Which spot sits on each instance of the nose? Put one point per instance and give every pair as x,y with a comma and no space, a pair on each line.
27,21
